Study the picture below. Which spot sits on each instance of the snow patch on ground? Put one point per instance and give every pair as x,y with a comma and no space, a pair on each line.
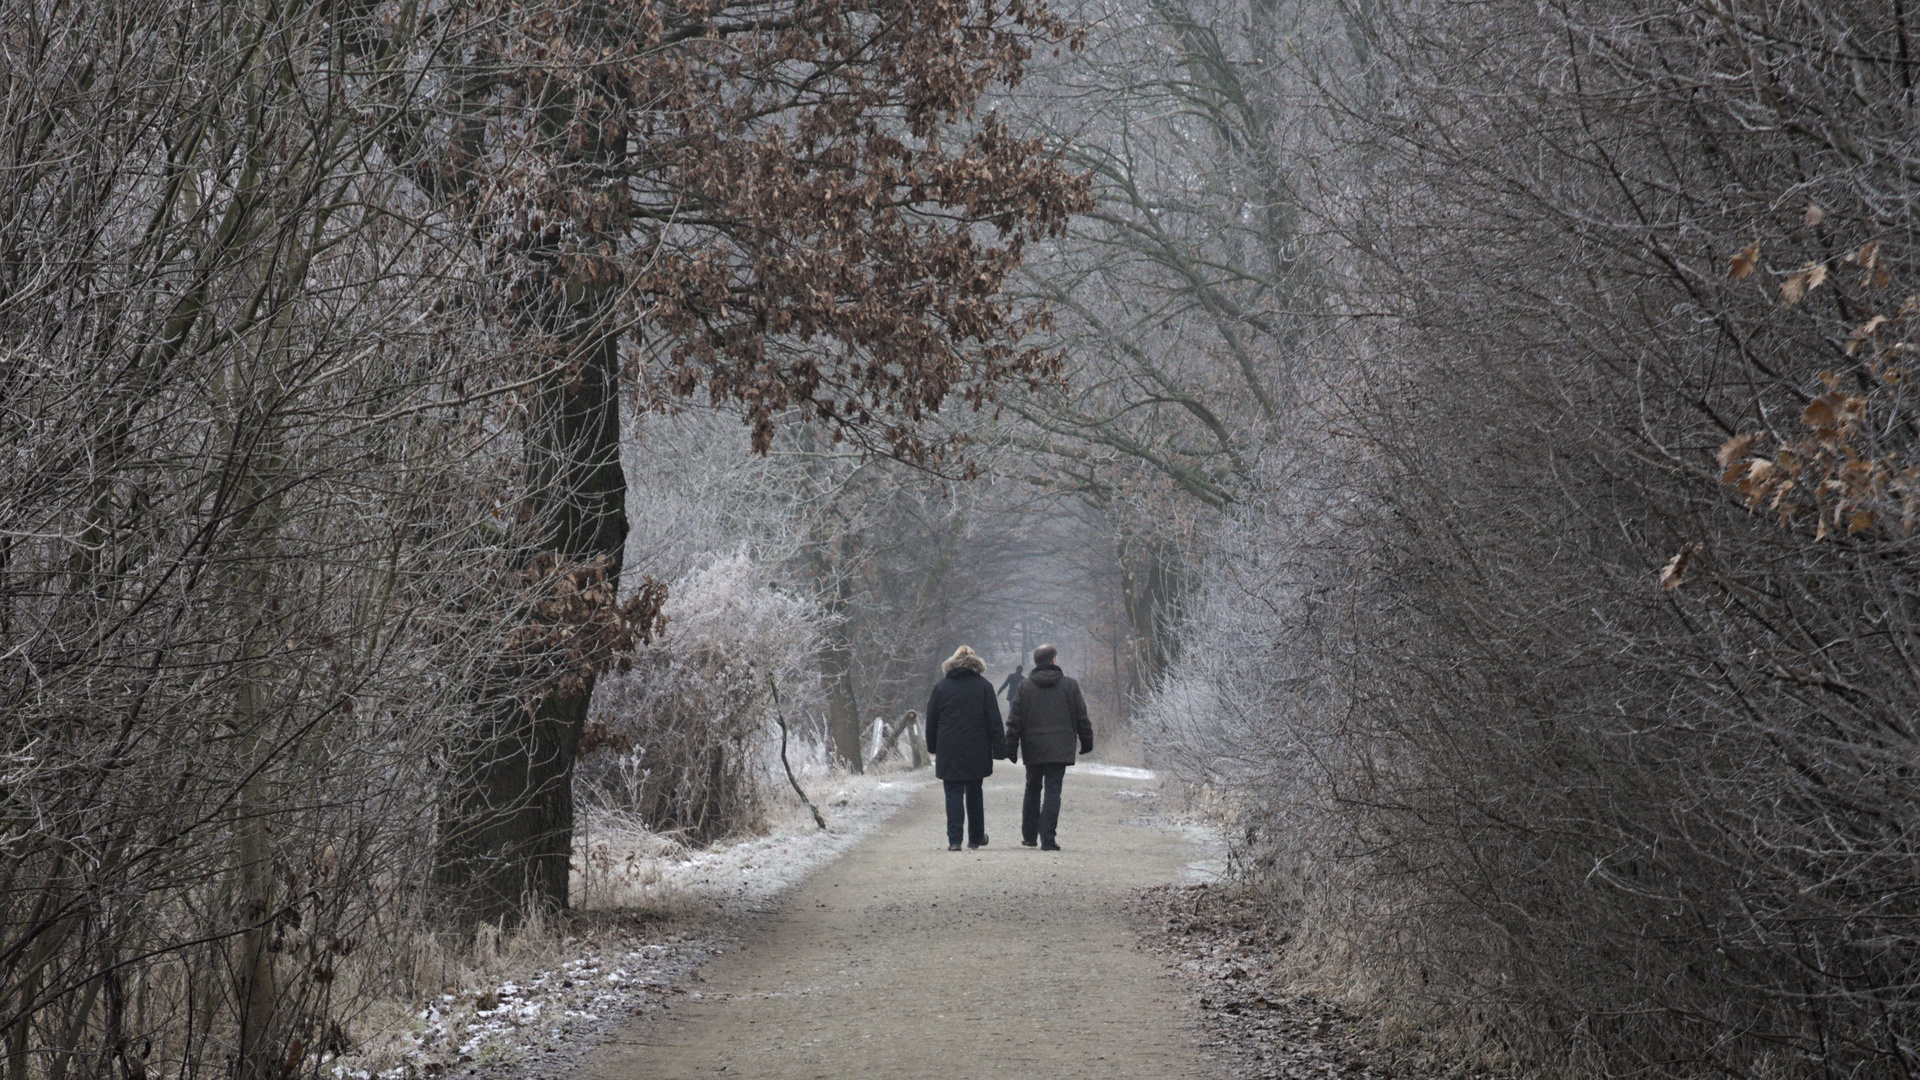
754,872
1118,772
543,1019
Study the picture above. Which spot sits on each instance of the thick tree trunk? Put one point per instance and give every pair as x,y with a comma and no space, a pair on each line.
507,829
506,840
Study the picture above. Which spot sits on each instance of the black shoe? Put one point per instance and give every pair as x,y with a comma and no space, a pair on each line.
982,842
1029,843
1049,846
953,847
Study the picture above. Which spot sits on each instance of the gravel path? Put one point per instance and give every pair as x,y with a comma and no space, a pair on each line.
906,961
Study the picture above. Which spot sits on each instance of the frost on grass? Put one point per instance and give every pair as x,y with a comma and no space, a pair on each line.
632,868
548,998
551,1011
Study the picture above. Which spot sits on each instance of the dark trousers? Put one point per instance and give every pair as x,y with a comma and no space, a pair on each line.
967,793
1039,818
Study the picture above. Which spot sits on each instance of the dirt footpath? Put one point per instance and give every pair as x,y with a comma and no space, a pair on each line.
906,961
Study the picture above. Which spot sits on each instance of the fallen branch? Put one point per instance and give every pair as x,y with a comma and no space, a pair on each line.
780,718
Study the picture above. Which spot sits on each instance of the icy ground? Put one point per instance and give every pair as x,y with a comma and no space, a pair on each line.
540,1022
1118,772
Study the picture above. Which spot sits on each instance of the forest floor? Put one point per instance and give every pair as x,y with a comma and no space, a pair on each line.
1253,1022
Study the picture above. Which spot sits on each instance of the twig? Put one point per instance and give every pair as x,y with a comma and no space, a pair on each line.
780,718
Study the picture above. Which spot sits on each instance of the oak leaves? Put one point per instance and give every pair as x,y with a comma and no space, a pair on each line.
1841,457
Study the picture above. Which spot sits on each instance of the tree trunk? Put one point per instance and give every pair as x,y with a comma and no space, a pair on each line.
1151,588
507,831
831,563
843,706
506,839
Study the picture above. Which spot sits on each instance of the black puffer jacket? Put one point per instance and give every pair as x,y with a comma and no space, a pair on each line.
1048,717
964,733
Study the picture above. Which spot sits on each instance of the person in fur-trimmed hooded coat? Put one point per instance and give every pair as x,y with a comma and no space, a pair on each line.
964,735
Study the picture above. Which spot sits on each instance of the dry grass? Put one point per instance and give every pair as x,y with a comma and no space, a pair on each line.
647,905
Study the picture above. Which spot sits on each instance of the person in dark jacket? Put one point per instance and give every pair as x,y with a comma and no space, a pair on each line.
1011,684
964,735
1047,717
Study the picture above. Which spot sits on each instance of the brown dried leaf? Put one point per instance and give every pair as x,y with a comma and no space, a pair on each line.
1803,281
1859,520
1859,476
1671,575
1863,332
1736,448
1815,215
1818,415
1792,289
1744,263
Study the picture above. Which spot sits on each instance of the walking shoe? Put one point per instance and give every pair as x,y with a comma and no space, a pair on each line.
953,847
1049,846
982,842
1029,843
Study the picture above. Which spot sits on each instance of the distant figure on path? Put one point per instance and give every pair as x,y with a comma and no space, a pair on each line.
1044,721
964,735
1011,686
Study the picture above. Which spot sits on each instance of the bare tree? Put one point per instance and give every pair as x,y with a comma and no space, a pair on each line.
314,319
1194,299
236,598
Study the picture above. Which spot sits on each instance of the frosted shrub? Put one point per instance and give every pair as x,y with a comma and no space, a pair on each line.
687,740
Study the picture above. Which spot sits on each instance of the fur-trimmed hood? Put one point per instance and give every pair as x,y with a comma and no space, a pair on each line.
964,659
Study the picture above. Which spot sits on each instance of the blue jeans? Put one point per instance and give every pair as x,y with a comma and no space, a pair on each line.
1038,819
967,793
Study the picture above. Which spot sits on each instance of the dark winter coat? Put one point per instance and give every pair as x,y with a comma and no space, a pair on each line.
964,733
1048,716
1012,684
